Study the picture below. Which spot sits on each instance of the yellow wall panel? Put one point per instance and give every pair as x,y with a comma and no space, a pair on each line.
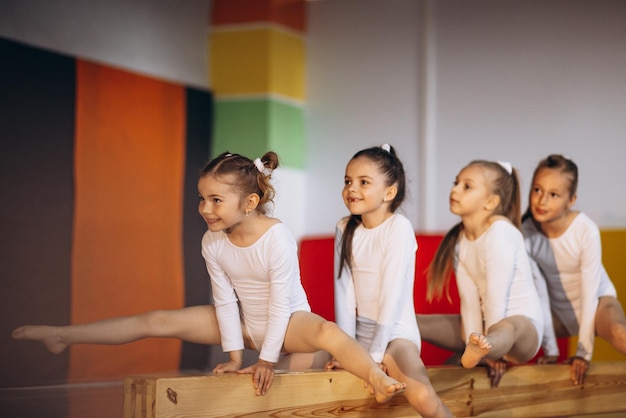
257,61
615,264
288,65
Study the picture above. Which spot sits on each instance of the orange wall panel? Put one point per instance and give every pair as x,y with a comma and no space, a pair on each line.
127,244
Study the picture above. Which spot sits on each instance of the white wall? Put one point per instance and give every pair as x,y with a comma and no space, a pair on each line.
518,80
362,85
444,81
162,38
502,80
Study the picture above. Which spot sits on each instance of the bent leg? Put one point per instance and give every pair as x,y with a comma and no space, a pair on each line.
403,363
611,322
196,324
442,330
514,339
308,332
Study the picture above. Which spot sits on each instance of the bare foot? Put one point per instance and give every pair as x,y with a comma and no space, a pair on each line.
475,350
386,387
47,335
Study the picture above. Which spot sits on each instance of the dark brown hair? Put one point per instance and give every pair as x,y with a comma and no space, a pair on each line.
391,167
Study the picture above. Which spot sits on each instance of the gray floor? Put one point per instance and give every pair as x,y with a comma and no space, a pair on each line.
89,400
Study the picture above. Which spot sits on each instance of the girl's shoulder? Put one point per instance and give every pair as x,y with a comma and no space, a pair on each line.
341,223
276,229
501,226
500,223
581,224
582,219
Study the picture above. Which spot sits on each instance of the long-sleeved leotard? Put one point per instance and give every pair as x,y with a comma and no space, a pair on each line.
571,266
494,279
263,280
377,292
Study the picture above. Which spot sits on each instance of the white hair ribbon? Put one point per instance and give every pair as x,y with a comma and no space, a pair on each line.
507,166
261,167
386,147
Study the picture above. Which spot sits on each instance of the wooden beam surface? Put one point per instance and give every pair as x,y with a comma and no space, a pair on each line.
525,391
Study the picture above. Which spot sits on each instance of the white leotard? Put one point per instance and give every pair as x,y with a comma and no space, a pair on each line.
263,280
494,279
571,267
378,291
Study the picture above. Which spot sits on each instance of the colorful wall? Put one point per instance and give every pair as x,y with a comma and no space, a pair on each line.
99,169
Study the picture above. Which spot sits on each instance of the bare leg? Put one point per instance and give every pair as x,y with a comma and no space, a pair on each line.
303,361
442,330
513,338
611,323
197,324
403,363
308,332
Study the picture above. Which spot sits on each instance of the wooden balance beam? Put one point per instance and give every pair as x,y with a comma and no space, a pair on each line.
525,391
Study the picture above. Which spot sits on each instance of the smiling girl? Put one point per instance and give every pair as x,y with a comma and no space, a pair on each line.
565,245
375,268
259,301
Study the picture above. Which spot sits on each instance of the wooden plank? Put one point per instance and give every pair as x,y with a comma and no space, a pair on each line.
525,391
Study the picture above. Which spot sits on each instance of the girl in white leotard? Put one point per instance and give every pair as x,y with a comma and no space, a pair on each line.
259,300
375,268
564,244
500,317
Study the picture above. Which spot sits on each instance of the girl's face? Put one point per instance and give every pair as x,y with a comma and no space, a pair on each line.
471,190
220,203
365,191
550,196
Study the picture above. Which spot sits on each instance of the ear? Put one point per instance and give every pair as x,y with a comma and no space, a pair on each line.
390,193
492,202
251,202
571,202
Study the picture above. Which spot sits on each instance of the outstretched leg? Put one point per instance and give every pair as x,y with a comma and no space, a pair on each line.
403,363
611,322
197,324
308,332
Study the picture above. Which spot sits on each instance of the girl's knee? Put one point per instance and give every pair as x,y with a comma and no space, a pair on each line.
617,332
155,322
329,329
423,398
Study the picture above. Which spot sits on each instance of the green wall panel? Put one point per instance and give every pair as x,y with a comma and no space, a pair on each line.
253,126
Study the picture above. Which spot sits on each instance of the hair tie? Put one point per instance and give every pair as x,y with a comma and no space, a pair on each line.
507,166
386,147
261,167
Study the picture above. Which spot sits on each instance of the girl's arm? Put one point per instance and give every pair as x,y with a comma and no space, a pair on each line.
549,342
224,299
591,273
282,264
345,298
396,284
226,310
471,315
500,260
